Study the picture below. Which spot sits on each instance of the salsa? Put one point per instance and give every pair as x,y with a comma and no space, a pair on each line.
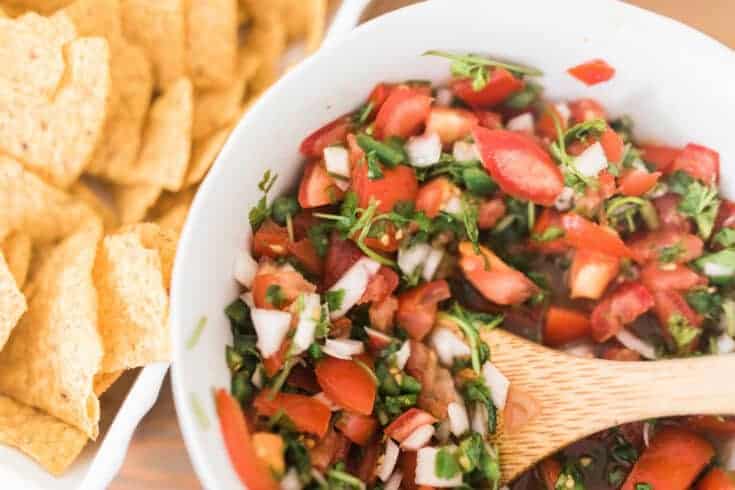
431,215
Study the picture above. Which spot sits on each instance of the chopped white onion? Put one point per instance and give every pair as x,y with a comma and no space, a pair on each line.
353,283
498,384
308,318
523,123
378,339
324,399
459,421
725,344
257,378
647,429
453,205
565,199
426,469
343,348
411,258
424,150
390,458
564,112
637,344
580,349
271,326
245,268
403,354
431,264
444,97
463,151
394,483
726,454
337,161
448,346
418,438
713,269
291,480
480,419
591,161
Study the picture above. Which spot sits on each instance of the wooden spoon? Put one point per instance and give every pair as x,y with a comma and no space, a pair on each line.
567,398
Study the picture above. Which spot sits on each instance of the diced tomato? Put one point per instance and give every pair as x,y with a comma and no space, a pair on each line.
489,120
502,84
303,221
291,282
490,212
618,309
649,247
303,378
307,414
519,165
331,134
341,255
613,145
451,124
347,384
327,450
305,253
407,422
274,363
433,195
380,286
725,215
717,425
636,182
614,353
582,233
397,184
368,462
586,110
717,479
547,119
407,464
592,72
698,161
591,273
671,303
669,217
340,327
418,306
388,241
565,325
550,470
674,277
252,471
383,313
520,408
403,114
379,94
493,278
672,461
660,156
548,218
607,184
271,240
356,427
318,188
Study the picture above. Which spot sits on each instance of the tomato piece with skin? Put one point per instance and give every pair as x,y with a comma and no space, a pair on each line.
502,84
397,185
341,255
546,123
620,354
417,307
550,470
648,247
591,273
493,278
672,460
549,218
356,427
592,72
382,314
317,187
270,240
291,283
252,471
521,167
450,124
717,479
669,216
327,449
379,94
581,233
307,414
659,156
347,384
490,212
331,134
636,182
369,463
712,424
433,195
675,277
565,325
699,162
407,422
671,303
586,110
613,145
403,113
407,464
489,119
274,363
380,286
305,253
618,309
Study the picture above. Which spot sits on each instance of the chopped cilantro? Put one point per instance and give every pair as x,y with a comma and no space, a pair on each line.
549,234
261,211
334,299
274,295
682,331
705,302
671,253
523,99
319,237
679,182
624,127
725,237
446,465
701,203
643,486
364,113
471,324
475,391
477,68
728,320
196,333
570,478
390,152
718,266
374,170
469,218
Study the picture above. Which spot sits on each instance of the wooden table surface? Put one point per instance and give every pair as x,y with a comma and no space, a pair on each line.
158,460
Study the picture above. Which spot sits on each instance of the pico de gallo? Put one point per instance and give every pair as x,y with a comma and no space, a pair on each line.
431,215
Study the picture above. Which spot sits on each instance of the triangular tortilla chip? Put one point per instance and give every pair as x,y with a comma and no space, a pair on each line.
133,306
52,443
56,139
27,203
267,37
12,302
133,201
212,42
82,191
103,381
204,153
174,219
41,6
54,352
162,240
17,248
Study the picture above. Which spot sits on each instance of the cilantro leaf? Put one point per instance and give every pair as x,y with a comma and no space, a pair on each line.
374,170
471,323
476,67
570,478
671,253
469,218
446,465
725,237
682,331
701,203
334,299
274,295
261,211
549,234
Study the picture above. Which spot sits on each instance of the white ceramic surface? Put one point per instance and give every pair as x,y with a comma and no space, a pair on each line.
673,80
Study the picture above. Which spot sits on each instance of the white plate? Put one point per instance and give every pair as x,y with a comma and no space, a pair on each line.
673,80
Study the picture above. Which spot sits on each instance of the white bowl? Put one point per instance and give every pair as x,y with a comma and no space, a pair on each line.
673,80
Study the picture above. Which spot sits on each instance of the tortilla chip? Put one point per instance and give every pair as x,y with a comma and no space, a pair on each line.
54,352
212,42
162,240
12,302
133,303
56,139
52,443
214,109
17,248
103,381
27,203
159,27
3,15
171,209
41,6
175,218
204,153
316,25
82,191
267,37
31,50
133,201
